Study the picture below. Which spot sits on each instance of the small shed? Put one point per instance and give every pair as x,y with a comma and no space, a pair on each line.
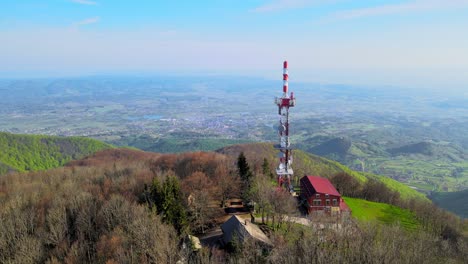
242,229
235,203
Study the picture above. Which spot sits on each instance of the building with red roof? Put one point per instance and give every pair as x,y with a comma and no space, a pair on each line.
319,194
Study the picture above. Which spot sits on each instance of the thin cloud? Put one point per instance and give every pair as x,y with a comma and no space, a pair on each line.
88,21
85,2
279,5
401,8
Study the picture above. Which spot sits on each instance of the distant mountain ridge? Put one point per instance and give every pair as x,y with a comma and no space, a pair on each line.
424,148
176,143
448,152
337,146
39,152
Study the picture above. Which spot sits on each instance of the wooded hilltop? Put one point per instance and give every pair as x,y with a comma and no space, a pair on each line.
129,206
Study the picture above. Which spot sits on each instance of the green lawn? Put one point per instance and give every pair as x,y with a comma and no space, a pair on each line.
384,213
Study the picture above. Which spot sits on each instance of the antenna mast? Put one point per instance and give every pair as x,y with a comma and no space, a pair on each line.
284,170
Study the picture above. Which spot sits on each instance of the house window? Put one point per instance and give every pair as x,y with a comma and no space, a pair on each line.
327,202
335,202
326,195
317,202
317,195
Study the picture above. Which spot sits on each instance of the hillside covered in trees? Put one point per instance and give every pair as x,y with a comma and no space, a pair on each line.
176,143
306,163
37,152
456,202
124,206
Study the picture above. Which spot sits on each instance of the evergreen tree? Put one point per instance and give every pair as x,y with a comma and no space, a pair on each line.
245,175
266,168
243,168
167,199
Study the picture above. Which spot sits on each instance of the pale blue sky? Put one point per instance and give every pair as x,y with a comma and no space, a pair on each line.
417,43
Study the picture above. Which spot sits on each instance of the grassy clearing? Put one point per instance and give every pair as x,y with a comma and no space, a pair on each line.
384,213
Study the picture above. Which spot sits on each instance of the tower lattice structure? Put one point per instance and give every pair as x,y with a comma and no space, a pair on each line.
284,170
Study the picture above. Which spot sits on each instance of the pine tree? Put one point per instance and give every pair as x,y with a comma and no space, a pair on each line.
266,168
243,168
167,198
245,175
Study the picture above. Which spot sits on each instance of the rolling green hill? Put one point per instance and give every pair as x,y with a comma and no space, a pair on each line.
424,148
441,150
37,152
305,163
336,146
456,202
426,165
178,143
384,213
171,145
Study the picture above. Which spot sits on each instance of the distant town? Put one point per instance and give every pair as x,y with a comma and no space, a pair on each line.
357,126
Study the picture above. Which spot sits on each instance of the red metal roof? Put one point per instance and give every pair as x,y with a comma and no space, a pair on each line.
322,185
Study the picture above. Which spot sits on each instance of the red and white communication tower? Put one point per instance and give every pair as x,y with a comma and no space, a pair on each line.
284,170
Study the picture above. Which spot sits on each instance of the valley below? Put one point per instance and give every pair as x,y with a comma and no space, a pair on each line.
417,139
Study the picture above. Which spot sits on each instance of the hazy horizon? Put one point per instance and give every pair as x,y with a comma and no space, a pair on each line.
417,44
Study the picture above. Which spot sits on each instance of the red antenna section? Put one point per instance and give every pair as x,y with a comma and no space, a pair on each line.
285,77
